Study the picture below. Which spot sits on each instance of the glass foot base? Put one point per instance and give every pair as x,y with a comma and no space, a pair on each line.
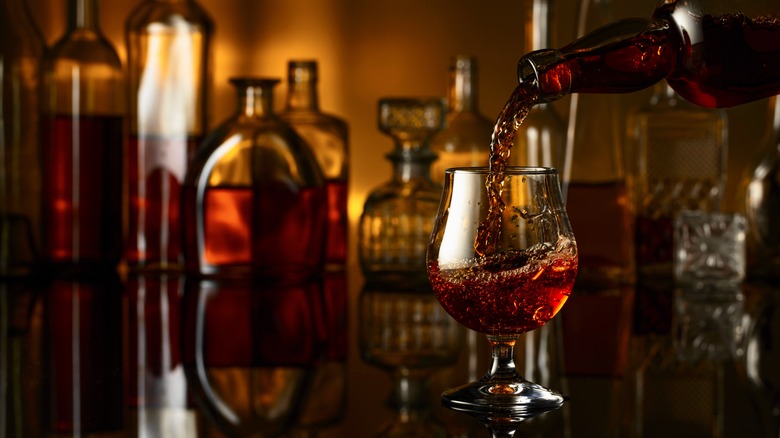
517,400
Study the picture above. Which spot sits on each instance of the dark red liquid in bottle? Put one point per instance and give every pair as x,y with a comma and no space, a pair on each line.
336,239
82,190
154,216
264,230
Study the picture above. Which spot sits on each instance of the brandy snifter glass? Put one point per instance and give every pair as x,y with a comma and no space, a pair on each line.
502,261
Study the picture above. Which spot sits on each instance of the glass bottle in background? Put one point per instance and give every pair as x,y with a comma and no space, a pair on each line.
254,198
541,139
679,154
21,52
762,203
328,137
168,44
598,197
398,216
465,141
82,145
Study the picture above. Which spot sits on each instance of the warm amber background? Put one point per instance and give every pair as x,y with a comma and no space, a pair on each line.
369,49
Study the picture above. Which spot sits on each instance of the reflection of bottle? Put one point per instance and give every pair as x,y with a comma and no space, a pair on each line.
168,50
327,135
540,140
398,216
762,206
157,390
22,48
465,141
715,55
249,351
598,199
82,145
679,155
408,334
84,332
254,200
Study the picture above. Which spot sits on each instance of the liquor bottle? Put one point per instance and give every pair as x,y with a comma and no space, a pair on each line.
328,137
168,48
465,140
398,216
762,203
21,53
598,199
679,163
254,198
712,55
541,139
82,146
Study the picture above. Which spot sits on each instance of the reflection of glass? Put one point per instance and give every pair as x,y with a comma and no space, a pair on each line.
409,335
157,388
83,321
517,282
398,216
167,50
254,198
762,358
249,350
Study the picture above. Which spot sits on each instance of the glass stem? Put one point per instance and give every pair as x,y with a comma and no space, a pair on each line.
503,366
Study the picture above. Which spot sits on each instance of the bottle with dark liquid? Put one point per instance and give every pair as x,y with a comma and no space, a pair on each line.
709,53
82,146
328,137
21,52
168,46
254,198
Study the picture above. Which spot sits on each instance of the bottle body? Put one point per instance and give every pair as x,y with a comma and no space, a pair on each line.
23,50
328,137
465,141
713,58
82,146
168,52
254,198
398,216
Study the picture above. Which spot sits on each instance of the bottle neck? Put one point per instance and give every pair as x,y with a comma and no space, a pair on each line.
255,97
411,160
538,25
83,15
463,85
302,86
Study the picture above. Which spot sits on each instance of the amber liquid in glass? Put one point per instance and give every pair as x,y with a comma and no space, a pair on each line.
82,189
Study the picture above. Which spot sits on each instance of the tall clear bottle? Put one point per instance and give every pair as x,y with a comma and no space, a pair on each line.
168,47
465,141
328,137
762,203
541,139
398,216
678,156
82,145
598,198
21,52
254,197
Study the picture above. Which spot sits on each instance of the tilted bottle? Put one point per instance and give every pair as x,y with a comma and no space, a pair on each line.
398,216
713,54
328,137
465,141
21,53
82,145
168,48
254,197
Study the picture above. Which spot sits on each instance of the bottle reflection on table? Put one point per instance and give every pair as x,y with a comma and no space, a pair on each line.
408,335
251,350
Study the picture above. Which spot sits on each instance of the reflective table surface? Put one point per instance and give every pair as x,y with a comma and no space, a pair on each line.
169,356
